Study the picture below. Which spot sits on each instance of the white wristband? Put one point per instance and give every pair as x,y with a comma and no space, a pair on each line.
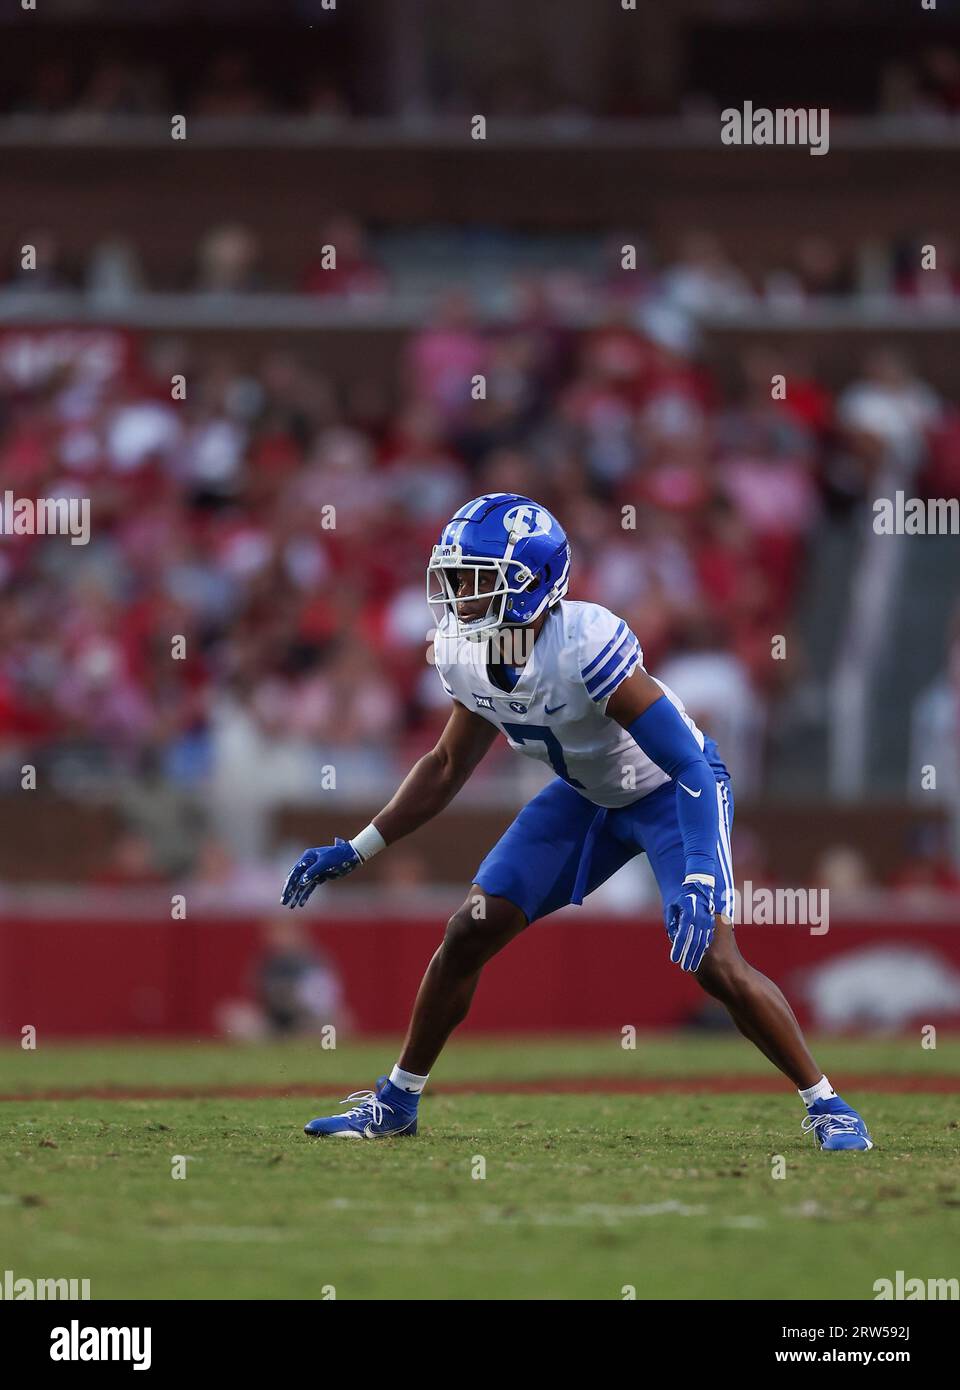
707,879
368,843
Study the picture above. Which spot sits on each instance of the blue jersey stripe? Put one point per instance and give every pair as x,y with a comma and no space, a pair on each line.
597,659
599,677
621,673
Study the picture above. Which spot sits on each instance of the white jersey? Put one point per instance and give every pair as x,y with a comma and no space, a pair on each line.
557,710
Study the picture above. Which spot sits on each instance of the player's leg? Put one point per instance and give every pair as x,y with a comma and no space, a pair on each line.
756,1005
535,864
761,1012
530,872
474,934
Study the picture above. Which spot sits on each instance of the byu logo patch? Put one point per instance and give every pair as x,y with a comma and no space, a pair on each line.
517,707
527,520
483,701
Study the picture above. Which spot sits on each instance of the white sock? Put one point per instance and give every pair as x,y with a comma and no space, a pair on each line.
408,1081
821,1091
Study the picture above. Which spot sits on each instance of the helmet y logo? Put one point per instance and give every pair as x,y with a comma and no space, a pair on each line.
526,521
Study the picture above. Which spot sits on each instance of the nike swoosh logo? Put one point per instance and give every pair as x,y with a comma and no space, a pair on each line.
689,792
371,1131
548,710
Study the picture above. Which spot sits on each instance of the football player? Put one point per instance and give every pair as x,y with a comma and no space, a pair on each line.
563,682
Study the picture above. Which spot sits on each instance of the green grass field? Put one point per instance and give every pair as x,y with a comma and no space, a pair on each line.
670,1193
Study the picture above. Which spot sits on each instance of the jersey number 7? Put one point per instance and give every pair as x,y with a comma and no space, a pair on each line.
539,733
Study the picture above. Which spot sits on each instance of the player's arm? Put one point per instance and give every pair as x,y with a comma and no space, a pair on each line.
433,782
654,723
429,786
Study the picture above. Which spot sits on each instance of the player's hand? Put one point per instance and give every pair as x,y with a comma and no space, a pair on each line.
691,924
317,866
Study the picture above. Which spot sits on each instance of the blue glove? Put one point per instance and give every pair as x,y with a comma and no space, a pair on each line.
317,866
691,924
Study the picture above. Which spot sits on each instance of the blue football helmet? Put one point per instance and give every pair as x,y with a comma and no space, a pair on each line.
516,540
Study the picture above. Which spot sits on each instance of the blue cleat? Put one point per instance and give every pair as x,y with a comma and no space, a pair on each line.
835,1126
379,1114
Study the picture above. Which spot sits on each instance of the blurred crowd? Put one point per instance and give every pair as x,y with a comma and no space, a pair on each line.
228,85
234,82
280,525
343,261
248,625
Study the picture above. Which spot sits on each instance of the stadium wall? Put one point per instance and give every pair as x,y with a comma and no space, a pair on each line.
160,978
